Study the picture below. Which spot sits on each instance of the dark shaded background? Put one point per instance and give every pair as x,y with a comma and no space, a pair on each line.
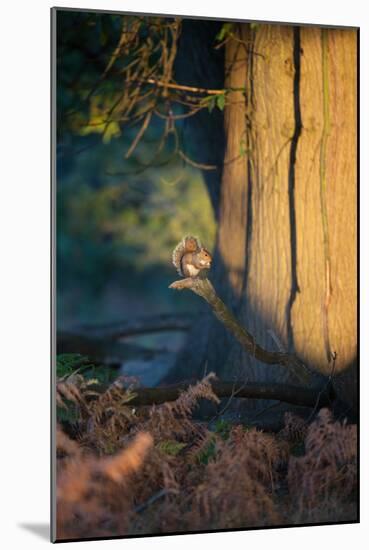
118,219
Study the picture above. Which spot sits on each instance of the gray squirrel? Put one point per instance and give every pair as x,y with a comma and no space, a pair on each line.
190,257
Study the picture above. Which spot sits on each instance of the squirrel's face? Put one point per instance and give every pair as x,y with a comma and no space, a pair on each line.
205,258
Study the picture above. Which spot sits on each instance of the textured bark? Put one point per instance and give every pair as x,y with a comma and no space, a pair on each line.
254,231
324,313
342,207
307,310
234,197
301,276
268,283
285,261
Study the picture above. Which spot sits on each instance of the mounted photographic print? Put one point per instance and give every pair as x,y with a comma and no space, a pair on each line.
204,271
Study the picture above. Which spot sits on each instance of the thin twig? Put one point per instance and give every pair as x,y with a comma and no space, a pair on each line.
139,134
196,164
229,400
193,89
151,500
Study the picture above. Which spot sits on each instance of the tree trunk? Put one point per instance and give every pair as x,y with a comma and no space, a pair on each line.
285,261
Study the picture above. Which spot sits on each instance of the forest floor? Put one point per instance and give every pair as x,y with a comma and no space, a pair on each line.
125,471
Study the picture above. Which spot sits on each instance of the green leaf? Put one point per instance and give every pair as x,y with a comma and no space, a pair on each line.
209,453
223,428
170,447
221,101
67,363
98,123
110,131
224,31
211,103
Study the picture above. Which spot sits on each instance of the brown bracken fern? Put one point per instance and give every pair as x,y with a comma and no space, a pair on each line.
158,470
327,472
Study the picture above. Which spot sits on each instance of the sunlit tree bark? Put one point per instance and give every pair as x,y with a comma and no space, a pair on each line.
285,260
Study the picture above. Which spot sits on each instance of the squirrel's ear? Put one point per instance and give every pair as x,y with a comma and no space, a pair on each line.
198,242
191,243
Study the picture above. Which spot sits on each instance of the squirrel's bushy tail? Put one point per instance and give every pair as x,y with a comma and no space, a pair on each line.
187,244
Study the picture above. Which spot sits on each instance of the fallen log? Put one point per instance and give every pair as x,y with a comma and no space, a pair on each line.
295,395
134,327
